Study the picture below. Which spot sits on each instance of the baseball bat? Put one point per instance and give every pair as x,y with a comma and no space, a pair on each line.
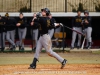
83,42
72,29
75,30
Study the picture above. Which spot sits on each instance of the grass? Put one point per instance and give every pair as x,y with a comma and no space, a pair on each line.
26,58
96,52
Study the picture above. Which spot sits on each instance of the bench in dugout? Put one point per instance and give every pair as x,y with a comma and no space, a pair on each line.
59,38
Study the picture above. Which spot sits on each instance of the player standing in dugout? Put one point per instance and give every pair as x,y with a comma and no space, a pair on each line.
21,24
2,33
45,40
76,25
87,29
35,31
10,30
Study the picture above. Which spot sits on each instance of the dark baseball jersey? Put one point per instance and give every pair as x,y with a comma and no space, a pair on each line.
10,24
76,22
36,24
23,22
2,25
86,25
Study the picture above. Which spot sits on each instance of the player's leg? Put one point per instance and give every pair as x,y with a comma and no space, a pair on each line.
23,37
35,37
85,32
79,38
73,38
47,44
51,32
89,38
8,37
20,38
3,46
36,56
0,41
13,39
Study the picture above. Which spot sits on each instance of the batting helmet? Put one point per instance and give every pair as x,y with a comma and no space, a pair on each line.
38,14
46,10
86,12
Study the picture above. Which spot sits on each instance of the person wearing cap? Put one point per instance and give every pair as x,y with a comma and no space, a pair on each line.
35,31
2,33
76,25
45,40
87,29
10,24
21,24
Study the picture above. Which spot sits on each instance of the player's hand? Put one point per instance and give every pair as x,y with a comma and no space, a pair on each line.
34,17
32,23
56,24
86,21
18,24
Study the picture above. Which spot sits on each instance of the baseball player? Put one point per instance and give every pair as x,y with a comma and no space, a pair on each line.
87,28
45,40
51,27
21,24
10,30
2,33
34,31
76,23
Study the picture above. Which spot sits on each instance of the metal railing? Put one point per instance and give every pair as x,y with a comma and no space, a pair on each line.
53,5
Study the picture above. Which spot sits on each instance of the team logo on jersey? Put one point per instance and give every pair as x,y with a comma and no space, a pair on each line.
48,23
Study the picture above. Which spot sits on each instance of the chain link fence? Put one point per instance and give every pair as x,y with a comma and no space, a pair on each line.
53,5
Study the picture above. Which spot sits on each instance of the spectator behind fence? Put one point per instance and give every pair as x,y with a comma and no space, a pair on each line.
10,30
21,24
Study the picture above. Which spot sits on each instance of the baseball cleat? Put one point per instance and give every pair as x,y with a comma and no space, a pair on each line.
13,48
63,63
32,67
72,48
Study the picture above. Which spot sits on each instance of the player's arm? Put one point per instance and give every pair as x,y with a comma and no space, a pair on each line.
24,23
89,20
18,22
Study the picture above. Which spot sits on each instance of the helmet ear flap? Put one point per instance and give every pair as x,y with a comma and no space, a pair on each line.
47,14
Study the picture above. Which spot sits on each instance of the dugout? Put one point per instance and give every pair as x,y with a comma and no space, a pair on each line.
66,19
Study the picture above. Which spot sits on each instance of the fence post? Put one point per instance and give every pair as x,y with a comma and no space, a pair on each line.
65,5
63,40
30,5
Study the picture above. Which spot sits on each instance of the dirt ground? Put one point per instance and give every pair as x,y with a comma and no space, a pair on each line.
70,69
78,64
